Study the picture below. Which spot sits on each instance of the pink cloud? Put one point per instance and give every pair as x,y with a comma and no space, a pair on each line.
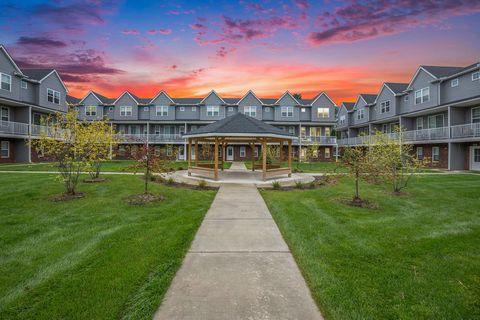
160,31
131,32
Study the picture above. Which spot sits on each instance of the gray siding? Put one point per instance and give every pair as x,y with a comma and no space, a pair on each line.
7,67
250,101
30,95
213,100
307,115
153,113
278,114
268,115
126,100
188,114
343,112
203,113
90,100
54,83
231,110
360,105
323,102
422,80
287,100
466,88
376,111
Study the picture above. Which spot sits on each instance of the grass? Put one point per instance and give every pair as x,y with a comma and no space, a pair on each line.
91,258
108,166
415,257
319,166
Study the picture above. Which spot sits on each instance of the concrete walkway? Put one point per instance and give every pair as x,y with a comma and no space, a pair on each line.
239,266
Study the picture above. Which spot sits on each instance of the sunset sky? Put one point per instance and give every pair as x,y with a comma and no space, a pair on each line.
190,47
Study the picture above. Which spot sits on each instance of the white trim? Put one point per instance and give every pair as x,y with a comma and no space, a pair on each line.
159,111
8,113
58,76
471,114
358,99
421,95
244,149
125,110
478,73
89,93
91,115
436,148
254,95
287,111
384,85
416,74
160,94
11,60
216,109
22,82
212,92
11,82
385,103
456,81
8,148
126,92
201,135
53,95
326,95
287,92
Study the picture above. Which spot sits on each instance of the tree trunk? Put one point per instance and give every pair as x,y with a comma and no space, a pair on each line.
357,196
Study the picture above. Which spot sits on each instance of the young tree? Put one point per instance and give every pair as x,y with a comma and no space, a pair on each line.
356,160
99,140
394,162
311,153
64,142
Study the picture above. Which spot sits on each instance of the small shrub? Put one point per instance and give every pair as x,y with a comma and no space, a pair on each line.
299,185
170,180
312,185
180,168
276,185
202,184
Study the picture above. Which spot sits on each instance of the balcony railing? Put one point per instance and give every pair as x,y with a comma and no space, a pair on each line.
132,138
471,130
14,128
426,134
39,130
165,138
318,140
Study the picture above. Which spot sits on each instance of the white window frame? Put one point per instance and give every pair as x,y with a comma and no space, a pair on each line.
435,153
182,109
454,83
423,95
343,118
126,111
267,109
385,106
243,152
323,113
145,109
230,109
360,114
329,131
434,116
250,111
213,111
4,110
161,111
327,153
476,76
419,152
24,84
422,122
2,144
475,119
91,112
55,96
303,110
9,82
194,108
286,112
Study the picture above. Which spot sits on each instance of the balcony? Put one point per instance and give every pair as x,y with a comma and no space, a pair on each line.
150,138
426,134
471,130
323,140
155,138
13,128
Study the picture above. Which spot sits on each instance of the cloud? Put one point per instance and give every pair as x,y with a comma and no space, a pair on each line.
40,41
131,32
357,20
160,31
302,4
222,52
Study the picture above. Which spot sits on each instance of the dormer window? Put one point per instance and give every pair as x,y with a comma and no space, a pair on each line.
323,112
24,84
475,76
360,114
53,96
287,112
422,95
385,106
342,119
267,109
454,83
194,108
91,111
182,109
145,109
213,111
126,111
406,98
250,111
161,111
6,82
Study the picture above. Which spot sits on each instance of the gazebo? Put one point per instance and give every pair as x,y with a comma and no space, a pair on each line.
238,129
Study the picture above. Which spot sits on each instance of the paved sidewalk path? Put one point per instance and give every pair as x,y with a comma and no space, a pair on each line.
238,165
239,266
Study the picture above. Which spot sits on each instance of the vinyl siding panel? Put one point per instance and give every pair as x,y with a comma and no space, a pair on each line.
376,111
7,67
126,100
422,80
466,88
188,113
323,102
54,83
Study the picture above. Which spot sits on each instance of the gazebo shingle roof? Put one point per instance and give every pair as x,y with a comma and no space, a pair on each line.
239,124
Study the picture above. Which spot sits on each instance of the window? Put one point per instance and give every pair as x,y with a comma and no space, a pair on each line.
5,149
303,110
323,113
419,123
360,114
242,152
250,111
5,114
169,150
126,111
327,153
420,153
230,109
287,112
327,131
435,154
267,109
291,130
145,109
342,119
53,96
454,83
182,108
110,108
161,111
476,115
385,106
422,95
6,81
213,111
24,84
90,111
406,98
436,121
475,76
121,150
385,128
194,108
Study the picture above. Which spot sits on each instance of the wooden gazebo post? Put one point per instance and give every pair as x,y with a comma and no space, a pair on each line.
290,157
197,154
281,152
223,155
216,159
264,163
252,157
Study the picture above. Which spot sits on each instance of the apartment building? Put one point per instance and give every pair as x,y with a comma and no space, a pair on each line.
439,111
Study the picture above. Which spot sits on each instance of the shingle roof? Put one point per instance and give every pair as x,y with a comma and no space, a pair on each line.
104,99
442,71
231,100
268,101
187,100
72,99
239,124
349,105
397,87
369,98
36,74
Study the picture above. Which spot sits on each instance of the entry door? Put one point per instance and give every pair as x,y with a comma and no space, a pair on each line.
475,158
229,154
181,153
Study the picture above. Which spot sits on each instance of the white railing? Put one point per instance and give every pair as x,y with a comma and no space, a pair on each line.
165,138
14,128
38,130
319,140
471,130
132,138
426,134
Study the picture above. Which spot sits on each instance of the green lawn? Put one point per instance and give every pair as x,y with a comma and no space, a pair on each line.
108,166
415,257
91,258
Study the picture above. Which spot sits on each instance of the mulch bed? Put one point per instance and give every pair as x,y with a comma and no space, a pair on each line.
360,203
182,185
319,182
145,198
67,197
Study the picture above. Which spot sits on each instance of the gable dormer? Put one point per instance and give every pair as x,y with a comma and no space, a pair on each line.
126,107
251,105
361,112
323,108
162,108
287,99
422,91
90,107
385,104
162,99
10,75
52,91
212,99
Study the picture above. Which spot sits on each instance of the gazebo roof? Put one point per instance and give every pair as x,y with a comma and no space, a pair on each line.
239,125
